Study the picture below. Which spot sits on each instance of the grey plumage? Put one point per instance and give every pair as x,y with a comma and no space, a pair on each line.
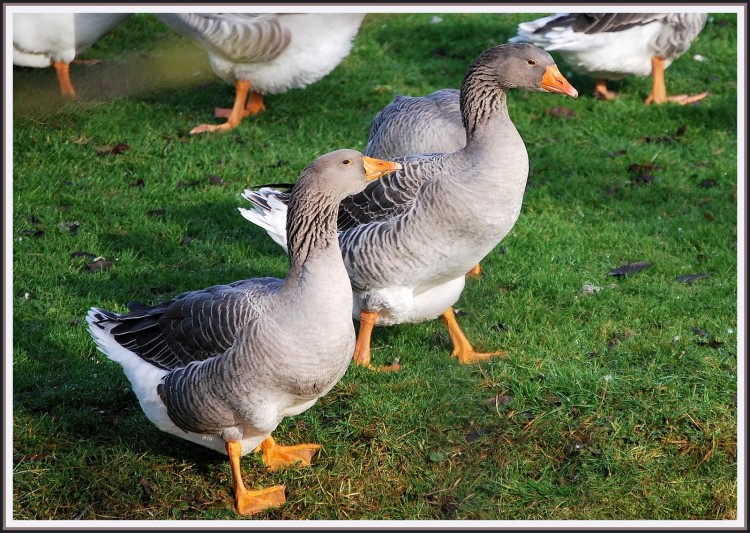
417,125
409,239
231,361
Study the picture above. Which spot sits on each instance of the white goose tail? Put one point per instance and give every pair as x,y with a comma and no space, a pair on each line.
268,212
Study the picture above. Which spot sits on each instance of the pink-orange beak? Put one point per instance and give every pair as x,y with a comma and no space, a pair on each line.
554,82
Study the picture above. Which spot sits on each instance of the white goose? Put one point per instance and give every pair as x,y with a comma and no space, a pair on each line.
44,39
408,243
266,53
610,46
223,366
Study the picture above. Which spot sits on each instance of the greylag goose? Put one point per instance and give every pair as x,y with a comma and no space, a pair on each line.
408,243
610,46
266,53
224,365
44,39
419,125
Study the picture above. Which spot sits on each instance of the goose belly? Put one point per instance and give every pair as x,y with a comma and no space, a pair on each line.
402,305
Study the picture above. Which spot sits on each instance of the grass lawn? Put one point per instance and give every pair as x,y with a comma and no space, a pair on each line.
618,399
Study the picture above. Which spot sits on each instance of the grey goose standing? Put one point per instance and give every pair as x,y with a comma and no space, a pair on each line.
408,243
266,53
223,366
610,46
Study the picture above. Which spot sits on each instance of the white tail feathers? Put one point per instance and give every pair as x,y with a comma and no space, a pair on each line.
268,212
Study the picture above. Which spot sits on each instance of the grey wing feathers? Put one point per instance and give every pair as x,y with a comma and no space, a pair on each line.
421,125
243,37
192,326
388,196
591,23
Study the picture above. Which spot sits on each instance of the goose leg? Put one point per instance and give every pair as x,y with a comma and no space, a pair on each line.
462,348
276,456
251,501
362,349
241,88
63,77
254,106
601,92
659,89
476,271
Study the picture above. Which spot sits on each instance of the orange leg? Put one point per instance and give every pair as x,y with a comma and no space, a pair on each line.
254,106
362,349
659,89
601,91
241,89
462,348
276,456
63,77
476,271
251,501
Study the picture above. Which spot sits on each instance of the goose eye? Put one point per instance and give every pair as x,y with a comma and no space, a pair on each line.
531,62
347,161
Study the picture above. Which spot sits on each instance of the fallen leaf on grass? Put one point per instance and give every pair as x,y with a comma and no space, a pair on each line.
182,185
629,268
499,399
72,227
148,488
112,150
562,112
477,434
666,139
99,264
640,168
215,180
690,278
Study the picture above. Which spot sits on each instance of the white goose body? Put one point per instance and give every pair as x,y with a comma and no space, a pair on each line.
277,52
408,240
39,39
223,366
613,45
55,39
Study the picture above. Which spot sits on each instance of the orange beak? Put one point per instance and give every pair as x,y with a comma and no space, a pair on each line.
554,82
375,168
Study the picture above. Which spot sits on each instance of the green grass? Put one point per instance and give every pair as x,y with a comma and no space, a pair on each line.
610,406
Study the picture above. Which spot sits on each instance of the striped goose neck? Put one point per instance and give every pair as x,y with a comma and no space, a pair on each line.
481,98
310,224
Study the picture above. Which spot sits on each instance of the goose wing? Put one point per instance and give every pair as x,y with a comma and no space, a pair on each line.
192,326
241,37
391,195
